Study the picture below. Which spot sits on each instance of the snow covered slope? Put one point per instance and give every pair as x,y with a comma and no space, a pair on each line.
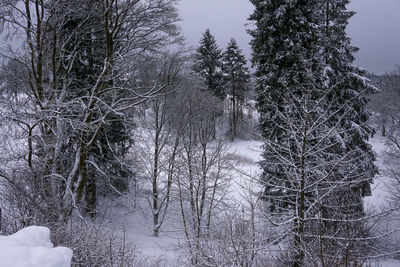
31,247
244,155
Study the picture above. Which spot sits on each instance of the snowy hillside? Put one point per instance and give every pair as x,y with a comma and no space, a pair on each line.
244,154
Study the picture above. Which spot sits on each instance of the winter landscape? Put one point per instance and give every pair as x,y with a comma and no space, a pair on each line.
123,142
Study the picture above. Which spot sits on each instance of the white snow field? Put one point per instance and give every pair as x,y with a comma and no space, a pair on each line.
31,247
379,193
378,200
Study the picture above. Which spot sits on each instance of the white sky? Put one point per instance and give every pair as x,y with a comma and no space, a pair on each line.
375,29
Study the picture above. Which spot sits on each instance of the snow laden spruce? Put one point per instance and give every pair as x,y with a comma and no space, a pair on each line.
317,162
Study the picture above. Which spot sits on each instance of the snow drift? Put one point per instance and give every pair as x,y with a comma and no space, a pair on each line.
31,247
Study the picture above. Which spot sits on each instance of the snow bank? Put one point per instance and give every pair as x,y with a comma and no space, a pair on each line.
31,247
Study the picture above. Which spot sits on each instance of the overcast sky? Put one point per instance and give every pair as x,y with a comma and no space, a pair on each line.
375,29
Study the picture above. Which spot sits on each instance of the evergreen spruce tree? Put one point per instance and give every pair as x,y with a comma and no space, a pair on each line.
237,82
286,56
317,163
352,86
352,89
208,64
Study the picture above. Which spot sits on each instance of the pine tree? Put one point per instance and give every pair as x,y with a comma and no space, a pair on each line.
209,65
237,82
317,164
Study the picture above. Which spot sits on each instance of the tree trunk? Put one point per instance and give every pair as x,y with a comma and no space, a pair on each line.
234,116
156,210
91,195
299,258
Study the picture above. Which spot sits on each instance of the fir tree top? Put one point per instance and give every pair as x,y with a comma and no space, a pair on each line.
209,65
235,69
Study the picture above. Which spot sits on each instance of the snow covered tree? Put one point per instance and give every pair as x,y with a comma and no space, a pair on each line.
385,103
352,90
283,49
159,138
108,153
317,163
79,76
237,80
208,64
203,178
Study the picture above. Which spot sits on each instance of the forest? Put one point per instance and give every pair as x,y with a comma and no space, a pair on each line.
124,146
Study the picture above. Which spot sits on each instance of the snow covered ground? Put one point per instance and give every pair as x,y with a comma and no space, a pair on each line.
378,201
138,226
379,193
137,223
31,247
244,154
387,263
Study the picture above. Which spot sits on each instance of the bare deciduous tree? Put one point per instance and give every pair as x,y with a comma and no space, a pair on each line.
65,115
160,135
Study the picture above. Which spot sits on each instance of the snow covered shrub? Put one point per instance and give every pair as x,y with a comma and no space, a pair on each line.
94,245
238,237
235,243
23,202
